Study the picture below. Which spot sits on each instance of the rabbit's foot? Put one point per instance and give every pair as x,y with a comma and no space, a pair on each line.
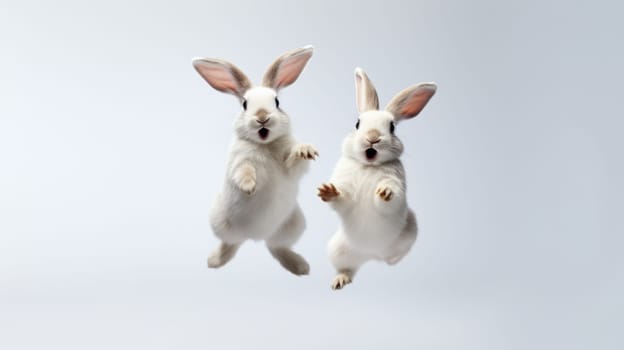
305,151
341,280
248,185
385,192
328,192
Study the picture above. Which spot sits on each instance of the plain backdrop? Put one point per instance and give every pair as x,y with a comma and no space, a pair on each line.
112,149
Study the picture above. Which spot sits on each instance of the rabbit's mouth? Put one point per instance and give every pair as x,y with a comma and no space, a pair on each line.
371,153
263,133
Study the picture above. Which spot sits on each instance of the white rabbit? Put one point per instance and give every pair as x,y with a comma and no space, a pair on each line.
367,188
258,199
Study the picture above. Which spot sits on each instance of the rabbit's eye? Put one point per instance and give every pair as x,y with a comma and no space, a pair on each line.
245,104
276,102
392,127
357,125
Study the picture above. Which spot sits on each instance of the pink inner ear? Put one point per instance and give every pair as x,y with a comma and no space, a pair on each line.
416,102
289,71
218,77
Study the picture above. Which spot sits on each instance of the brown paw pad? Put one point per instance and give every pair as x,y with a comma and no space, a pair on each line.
328,192
384,193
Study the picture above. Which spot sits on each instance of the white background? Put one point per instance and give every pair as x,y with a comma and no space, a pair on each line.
112,149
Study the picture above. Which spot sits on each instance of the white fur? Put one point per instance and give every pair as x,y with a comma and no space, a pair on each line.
376,222
258,199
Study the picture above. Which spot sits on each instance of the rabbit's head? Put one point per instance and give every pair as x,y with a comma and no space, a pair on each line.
261,119
373,141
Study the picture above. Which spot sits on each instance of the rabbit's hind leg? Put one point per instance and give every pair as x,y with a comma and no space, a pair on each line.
345,259
224,253
286,236
405,241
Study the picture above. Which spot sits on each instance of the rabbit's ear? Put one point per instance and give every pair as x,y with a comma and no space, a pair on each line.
222,75
286,68
409,102
365,94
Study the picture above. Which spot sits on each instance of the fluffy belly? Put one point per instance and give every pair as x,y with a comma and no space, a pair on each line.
373,234
237,216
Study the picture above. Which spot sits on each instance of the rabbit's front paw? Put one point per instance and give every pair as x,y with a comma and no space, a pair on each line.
248,185
328,192
385,192
305,151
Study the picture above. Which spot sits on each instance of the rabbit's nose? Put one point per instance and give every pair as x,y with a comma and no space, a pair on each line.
372,136
261,115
